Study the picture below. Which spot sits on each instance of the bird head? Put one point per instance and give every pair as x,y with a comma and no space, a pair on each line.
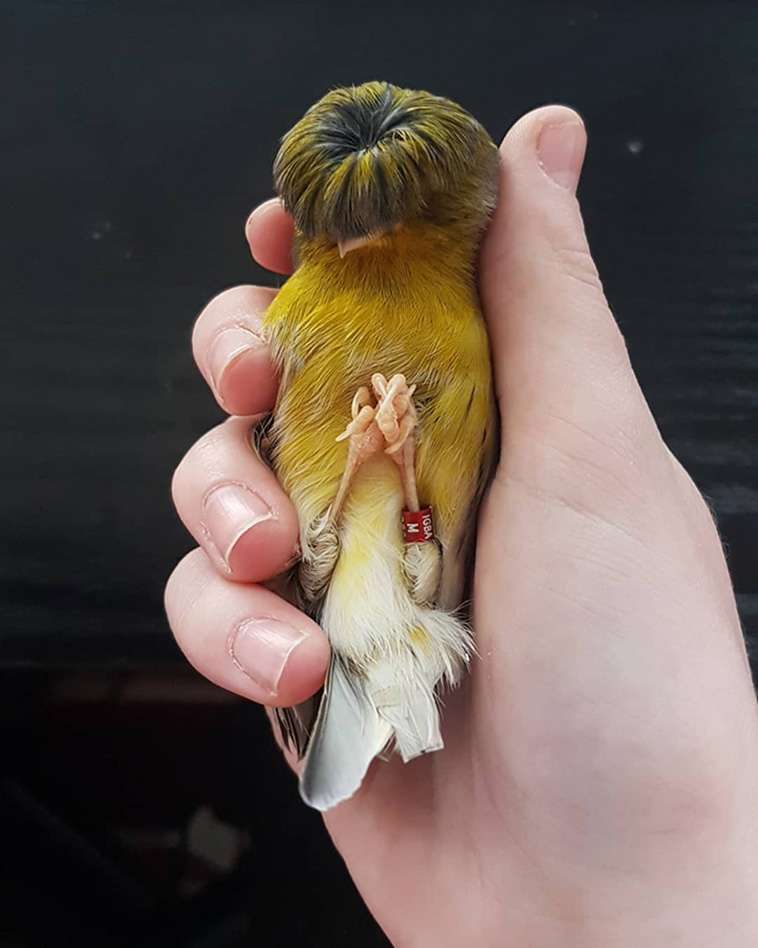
367,160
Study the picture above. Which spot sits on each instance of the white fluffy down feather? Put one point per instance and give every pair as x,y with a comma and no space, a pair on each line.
390,651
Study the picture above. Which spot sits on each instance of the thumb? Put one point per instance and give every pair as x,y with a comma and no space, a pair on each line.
558,355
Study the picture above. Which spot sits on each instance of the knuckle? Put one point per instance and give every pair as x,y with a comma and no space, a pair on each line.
187,565
202,456
182,475
176,480
240,305
575,261
185,585
221,303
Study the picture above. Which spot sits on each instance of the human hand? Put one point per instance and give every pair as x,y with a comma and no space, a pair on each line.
600,776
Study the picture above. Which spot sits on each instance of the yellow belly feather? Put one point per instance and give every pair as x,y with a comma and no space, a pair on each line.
335,323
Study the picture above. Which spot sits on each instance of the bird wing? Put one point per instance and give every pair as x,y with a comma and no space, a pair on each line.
457,452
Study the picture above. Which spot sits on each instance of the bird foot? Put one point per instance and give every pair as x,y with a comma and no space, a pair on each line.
395,414
389,425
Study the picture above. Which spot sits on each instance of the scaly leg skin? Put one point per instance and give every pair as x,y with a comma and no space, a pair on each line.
390,425
397,419
322,538
365,440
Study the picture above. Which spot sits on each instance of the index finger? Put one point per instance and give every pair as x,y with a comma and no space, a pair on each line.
270,231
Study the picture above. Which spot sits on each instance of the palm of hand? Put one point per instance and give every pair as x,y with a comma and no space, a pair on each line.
587,732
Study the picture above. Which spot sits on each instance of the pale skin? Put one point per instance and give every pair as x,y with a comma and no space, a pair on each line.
599,784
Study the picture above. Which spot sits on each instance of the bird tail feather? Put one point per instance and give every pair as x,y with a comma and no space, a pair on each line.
347,734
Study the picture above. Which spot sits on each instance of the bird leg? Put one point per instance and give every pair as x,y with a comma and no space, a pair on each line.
390,425
365,440
322,546
396,417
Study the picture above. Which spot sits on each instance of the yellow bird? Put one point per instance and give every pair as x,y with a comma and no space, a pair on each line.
384,428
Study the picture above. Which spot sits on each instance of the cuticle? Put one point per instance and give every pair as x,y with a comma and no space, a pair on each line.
241,323
214,550
230,482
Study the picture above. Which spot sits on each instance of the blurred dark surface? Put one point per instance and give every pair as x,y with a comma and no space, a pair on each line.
135,140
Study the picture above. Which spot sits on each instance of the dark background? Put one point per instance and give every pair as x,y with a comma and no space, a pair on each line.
135,140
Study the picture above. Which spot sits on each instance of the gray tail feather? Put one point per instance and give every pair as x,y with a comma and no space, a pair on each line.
347,734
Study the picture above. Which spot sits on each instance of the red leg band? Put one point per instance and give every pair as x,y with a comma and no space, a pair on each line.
418,526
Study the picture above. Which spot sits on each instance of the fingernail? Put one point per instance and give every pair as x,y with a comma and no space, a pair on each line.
560,152
229,511
261,649
228,346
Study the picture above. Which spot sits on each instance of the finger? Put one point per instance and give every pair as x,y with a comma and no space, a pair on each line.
269,231
232,504
231,352
244,638
557,349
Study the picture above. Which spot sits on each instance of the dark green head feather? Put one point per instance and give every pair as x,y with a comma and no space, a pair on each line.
366,158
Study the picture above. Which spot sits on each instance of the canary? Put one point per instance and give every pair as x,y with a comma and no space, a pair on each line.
383,432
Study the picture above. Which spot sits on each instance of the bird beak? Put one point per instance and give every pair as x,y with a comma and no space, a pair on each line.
353,243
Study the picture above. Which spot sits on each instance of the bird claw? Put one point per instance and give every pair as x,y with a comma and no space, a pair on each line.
395,415
362,414
360,423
